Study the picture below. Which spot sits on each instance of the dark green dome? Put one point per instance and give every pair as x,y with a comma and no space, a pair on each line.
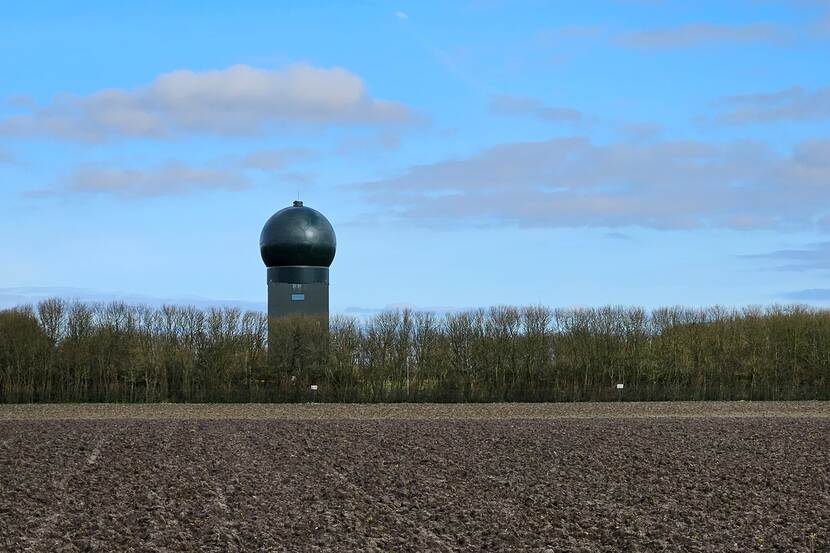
297,235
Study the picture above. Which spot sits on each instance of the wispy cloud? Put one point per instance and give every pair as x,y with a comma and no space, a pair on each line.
573,182
793,104
239,100
639,131
169,179
702,34
555,36
275,158
7,158
31,295
368,312
810,294
689,35
377,142
813,257
177,178
524,106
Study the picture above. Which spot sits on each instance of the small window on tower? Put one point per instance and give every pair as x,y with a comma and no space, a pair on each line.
297,297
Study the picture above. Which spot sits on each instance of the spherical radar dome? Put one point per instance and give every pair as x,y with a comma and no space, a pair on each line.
297,235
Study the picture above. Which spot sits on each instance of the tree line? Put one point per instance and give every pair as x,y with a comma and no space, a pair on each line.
59,351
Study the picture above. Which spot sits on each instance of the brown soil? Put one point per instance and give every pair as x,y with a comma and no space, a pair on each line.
655,477
410,411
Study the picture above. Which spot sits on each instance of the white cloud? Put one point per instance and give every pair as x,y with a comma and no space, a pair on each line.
239,100
572,182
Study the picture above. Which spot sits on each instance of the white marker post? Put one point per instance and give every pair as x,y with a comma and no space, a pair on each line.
314,392
619,391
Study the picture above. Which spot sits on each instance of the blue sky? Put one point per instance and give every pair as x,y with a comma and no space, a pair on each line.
468,153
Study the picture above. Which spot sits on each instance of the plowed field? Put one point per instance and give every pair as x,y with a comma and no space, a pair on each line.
647,477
